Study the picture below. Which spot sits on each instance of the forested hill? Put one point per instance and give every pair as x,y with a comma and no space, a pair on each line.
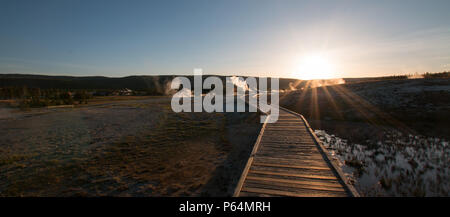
138,83
159,82
91,82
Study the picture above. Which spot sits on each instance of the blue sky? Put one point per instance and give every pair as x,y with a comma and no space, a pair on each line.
248,37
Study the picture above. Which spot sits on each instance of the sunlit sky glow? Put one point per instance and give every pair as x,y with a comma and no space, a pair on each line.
250,37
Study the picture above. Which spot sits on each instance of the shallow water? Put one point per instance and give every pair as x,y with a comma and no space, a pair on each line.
399,165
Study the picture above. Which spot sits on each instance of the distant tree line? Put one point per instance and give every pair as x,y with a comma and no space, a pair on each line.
416,75
426,75
36,97
42,97
437,75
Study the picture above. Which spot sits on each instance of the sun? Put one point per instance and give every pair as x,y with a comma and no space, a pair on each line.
315,67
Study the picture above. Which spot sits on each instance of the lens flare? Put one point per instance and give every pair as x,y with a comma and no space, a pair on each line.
315,67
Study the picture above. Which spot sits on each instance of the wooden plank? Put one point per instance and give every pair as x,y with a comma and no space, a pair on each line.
289,140
289,146
290,166
295,184
289,143
294,122
289,119
293,175
290,156
256,191
286,133
286,140
289,161
310,181
286,127
288,193
297,150
297,131
283,146
289,122
295,135
252,194
295,188
304,171
280,152
281,142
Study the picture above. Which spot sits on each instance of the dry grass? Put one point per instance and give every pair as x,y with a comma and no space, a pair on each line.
136,148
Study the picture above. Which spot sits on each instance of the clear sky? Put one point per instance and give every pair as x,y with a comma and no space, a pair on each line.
247,37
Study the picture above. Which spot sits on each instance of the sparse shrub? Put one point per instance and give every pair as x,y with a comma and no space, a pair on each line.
82,97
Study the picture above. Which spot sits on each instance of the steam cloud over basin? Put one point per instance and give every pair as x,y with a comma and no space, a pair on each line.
221,98
126,148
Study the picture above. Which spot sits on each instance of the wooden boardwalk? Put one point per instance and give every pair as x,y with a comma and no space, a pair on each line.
289,160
